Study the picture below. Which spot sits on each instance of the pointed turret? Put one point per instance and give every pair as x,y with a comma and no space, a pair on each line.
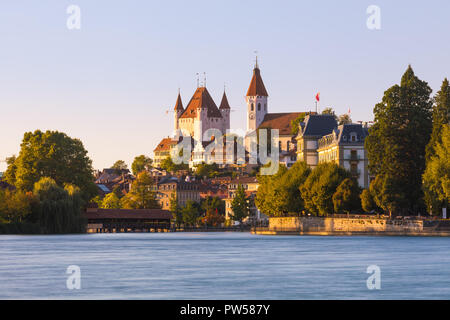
224,104
179,104
178,111
225,111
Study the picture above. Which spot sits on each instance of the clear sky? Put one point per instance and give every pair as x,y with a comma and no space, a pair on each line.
111,82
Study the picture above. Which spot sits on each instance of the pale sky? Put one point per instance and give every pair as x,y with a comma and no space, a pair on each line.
111,82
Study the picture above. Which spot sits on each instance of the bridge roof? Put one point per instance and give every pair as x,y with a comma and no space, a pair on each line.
144,214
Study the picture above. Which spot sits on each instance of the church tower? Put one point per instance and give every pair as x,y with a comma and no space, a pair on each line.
178,110
256,100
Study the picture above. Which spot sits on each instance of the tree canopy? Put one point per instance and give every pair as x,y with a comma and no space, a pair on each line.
396,144
54,155
141,163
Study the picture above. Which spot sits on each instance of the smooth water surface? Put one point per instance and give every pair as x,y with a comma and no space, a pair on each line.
223,266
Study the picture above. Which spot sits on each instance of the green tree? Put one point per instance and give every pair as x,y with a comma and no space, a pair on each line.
346,198
330,111
58,210
396,144
141,163
367,202
190,213
344,119
175,209
239,205
441,112
111,201
168,165
141,195
213,204
267,195
295,124
320,186
55,155
436,179
119,166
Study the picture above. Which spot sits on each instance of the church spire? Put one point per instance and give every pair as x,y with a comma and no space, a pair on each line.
257,87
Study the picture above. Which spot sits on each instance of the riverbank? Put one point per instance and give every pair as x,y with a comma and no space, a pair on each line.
355,226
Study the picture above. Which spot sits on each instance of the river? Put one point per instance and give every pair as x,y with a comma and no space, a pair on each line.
223,266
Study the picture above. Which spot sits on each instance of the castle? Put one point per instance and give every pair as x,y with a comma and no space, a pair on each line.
202,113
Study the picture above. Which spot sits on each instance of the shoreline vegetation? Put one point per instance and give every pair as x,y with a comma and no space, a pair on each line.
50,183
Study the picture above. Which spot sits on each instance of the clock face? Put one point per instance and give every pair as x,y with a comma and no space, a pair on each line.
252,116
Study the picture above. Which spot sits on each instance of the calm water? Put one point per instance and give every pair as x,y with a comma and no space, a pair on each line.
223,266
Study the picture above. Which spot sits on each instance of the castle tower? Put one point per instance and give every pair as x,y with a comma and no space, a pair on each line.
256,99
178,110
225,111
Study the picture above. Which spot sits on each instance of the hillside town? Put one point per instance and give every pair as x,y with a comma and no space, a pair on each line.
207,174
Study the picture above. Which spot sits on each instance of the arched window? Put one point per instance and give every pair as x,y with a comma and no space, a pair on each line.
252,107
259,106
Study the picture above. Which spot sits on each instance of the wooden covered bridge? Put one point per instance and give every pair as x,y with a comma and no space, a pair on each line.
126,220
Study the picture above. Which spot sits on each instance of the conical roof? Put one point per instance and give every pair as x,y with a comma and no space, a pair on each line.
224,104
257,87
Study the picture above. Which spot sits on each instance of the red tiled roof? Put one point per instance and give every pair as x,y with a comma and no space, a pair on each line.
257,87
165,145
280,121
179,104
201,99
98,214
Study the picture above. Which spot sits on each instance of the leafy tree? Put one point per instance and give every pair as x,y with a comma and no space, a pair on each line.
15,205
190,213
346,198
330,111
318,189
168,165
344,119
267,194
441,112
287,188
436,179
396,144
295,124
239,205
213,218
55,155
111,201
175,209
58,210
214,204
141,195
141,163
119,166
367,202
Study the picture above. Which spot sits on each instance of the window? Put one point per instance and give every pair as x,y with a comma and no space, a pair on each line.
252,107
279,145
288,145
259,106
265,106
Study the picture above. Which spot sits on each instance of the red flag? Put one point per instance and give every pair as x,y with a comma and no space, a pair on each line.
318,96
